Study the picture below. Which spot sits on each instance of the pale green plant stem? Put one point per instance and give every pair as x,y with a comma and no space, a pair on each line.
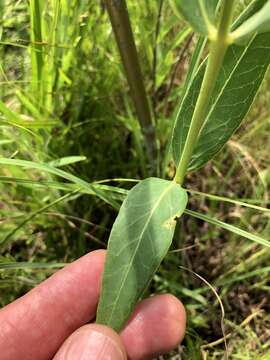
219,43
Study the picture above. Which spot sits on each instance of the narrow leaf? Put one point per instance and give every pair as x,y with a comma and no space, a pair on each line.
139,240
33,215
256,24
94,189
29,104
234,229
111,193
229,200
247,275
194,62
67,160
12,118
237,85
6,141
36,9
9,114
29,265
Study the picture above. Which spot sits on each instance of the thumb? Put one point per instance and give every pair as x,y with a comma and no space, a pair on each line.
93,341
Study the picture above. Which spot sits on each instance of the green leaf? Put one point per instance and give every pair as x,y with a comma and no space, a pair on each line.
113,195
256,24
36,10
65,186
199,13
234,229
43,119
194,62
248,274
29,265
67,160
139,240
242,73
14,119
229,200
6,141
34,214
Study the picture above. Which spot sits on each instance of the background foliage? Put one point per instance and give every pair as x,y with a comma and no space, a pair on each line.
64,93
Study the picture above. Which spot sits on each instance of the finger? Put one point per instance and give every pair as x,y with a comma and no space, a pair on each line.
93,341
34,326
156,327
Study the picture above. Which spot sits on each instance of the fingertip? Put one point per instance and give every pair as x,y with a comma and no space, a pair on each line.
176,312
92,341
156,327
99,256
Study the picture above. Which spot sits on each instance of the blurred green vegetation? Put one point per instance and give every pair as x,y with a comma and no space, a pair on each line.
64,93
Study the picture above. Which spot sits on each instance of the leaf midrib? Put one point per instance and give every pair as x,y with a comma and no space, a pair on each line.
138,245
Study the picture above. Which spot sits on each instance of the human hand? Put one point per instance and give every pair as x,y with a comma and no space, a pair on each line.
49,321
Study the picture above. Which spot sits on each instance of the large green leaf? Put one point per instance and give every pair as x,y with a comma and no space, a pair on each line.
199,13
139,240
238,82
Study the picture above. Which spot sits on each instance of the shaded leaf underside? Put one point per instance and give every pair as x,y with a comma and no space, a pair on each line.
139,240
192,12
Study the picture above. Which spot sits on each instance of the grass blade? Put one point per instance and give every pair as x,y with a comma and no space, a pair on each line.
34,214
95,190
228,200
28,265
258,239
67,160
36,49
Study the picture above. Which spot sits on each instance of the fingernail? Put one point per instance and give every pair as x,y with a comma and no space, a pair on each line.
92,345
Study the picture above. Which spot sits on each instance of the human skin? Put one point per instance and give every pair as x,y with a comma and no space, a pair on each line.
52,320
